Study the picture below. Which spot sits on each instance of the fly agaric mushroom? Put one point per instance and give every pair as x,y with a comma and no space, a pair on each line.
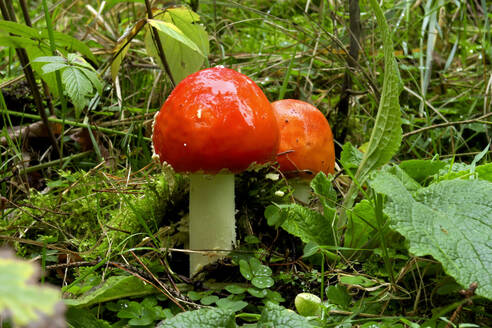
215,123
306,143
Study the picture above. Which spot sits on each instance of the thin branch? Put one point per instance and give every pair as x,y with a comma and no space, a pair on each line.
443,125
158,43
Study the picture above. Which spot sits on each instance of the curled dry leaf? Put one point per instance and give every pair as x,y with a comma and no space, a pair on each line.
33,130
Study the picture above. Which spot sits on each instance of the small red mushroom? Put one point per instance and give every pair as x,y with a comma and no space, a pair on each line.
306,142
215,123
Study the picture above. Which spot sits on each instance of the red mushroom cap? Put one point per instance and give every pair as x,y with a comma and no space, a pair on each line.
215,119
306,141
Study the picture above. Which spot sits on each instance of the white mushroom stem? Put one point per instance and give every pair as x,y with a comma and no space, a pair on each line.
211,222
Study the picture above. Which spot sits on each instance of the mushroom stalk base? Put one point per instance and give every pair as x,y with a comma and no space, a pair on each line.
211,222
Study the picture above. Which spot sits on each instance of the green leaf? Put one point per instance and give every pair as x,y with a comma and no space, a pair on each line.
93,77
274,315
361,226
231,305
210,299
350,157
25,301
484,172
387,134
52,67
337,294
245,269
82,318
186,51
323,188
115,287
450,220
17,42
77,86
174,32
71,44
262,282
235,289
305,223
19,29
257,292
203,318
420,169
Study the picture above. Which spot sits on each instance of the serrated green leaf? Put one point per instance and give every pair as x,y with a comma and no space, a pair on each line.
50,59
387,134
93,77
323,188
24,301
52,67
203,318
450,220
77,87
274,315
115,287
350,157
305,223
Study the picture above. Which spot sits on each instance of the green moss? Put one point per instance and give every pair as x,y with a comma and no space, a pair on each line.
94,210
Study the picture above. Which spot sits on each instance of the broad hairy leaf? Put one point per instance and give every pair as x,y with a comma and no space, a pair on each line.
115,287
203,318
387,134
274,315
21,298
450,220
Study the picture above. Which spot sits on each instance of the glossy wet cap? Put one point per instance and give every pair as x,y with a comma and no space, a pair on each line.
215,119
306,140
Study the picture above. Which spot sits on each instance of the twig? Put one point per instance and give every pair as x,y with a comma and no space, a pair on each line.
442,125
158,43
467,294
73,123
343,105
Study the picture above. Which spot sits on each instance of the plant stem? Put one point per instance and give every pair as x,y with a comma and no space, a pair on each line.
59,85
73,123
378,202
158,44
211,222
